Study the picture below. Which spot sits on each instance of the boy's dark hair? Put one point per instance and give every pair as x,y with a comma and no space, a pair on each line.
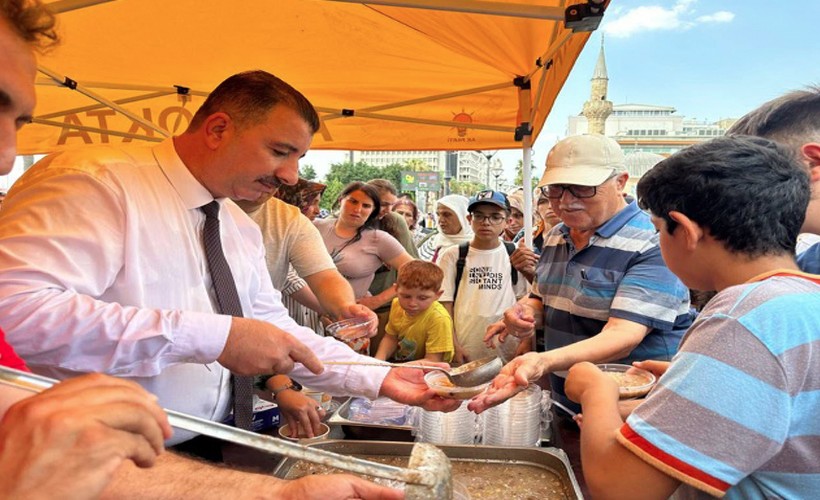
32,21
751,193
420,274
790,119
371,192
248,98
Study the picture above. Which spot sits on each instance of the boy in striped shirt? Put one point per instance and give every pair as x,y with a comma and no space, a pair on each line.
734,414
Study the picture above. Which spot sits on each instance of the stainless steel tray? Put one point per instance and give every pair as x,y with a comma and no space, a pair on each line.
552,459
363,430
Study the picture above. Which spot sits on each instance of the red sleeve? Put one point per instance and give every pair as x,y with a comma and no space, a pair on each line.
8,357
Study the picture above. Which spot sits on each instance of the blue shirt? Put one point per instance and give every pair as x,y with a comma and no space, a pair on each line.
619,274
809,261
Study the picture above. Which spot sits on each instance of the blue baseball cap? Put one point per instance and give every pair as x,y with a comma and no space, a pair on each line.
496,198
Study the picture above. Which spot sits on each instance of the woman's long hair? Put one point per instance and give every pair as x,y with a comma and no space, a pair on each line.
372,221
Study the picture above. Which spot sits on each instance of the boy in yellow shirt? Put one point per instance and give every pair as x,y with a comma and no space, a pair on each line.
418,327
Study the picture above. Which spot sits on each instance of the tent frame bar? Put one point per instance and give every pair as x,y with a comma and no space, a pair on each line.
127,100
111,104
473,7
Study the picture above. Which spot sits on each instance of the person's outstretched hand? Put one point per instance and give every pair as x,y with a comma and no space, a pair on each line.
407,385
515,376
68,441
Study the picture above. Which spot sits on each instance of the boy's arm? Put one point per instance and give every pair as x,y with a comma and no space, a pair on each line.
387,347
632,477
434,356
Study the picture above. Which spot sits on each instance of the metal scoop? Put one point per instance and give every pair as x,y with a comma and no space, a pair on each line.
469,375
428,475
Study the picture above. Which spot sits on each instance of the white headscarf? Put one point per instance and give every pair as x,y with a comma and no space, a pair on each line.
458,204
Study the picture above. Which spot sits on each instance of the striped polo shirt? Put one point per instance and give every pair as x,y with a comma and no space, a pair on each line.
619,274
736,414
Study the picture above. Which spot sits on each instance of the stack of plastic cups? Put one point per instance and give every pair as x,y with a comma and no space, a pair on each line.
516,422
457,427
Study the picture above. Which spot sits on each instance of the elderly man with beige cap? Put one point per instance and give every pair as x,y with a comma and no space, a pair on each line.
601,290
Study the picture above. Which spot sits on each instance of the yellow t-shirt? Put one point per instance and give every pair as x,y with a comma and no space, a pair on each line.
430,331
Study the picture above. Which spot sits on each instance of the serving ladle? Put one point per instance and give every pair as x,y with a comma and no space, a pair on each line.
427,475
467,375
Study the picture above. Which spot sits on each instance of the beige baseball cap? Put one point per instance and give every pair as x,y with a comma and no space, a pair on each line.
583,160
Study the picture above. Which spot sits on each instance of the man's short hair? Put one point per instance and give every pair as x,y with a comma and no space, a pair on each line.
792,119
420,274
749,192
248,98
384,186
32,21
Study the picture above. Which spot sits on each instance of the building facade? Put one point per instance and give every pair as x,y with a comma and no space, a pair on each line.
469,166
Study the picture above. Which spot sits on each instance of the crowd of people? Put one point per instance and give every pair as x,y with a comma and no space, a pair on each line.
183,274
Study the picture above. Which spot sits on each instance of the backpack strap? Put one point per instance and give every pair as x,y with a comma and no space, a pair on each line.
463,248
510,246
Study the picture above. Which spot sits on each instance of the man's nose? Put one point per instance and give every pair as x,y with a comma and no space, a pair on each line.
288,173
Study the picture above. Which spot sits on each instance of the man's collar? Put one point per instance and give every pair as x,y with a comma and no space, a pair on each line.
619,220
192,193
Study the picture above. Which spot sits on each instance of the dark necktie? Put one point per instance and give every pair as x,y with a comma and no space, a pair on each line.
228,303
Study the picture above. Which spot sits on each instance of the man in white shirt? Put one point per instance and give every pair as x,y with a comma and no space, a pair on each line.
102,268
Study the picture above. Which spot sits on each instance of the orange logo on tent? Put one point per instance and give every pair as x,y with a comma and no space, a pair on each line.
462,118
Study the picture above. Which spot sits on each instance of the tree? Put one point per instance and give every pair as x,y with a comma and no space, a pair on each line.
344,173
307,172
334,187
519,175
465,188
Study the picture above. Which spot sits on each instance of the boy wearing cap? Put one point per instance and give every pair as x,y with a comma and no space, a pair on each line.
601,289
486,287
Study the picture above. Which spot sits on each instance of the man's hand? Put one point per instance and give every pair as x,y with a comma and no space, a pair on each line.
519,321
585,378
68,441
334,487
361,311
302,413
524,260
407,385
515,376
256,347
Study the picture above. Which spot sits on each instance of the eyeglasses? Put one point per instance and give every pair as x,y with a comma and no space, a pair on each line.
495,219
555,191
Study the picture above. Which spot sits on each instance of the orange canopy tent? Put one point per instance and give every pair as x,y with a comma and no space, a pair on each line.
414,74
384,75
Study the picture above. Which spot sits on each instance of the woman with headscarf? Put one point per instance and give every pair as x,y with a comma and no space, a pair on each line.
453,228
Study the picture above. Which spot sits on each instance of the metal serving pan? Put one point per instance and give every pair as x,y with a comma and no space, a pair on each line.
551,459
362,430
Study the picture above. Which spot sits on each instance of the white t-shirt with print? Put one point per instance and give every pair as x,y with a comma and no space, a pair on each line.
485,292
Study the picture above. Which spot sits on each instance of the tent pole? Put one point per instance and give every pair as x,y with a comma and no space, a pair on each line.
127,100
525,130
111,104
473,7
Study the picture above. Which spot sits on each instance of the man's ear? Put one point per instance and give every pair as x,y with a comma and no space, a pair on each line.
469,218
692,232
811,155
217,127
438,294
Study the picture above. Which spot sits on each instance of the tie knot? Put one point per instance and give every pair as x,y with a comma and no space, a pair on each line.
211,209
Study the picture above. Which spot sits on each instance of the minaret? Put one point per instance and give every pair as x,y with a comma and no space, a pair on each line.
597,108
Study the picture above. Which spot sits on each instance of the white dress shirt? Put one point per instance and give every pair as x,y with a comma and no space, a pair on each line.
102,269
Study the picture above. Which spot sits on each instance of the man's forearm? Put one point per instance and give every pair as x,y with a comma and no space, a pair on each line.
175,476
332,290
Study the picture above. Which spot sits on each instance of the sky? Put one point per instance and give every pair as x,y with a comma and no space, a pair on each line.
709,59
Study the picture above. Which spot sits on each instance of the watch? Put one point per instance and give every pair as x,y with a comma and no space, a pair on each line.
291,384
